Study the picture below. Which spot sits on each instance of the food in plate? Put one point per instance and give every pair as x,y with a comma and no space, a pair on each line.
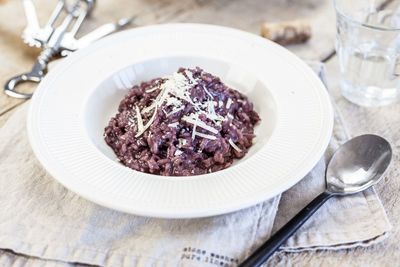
188,123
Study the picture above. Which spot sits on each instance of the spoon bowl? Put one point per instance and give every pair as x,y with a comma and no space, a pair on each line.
358,164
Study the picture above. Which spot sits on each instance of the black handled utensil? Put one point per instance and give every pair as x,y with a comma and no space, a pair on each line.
355,166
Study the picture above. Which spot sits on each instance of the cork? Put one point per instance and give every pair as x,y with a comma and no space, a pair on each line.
287,32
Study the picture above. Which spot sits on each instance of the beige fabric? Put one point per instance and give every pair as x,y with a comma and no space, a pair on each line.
51,226
358,220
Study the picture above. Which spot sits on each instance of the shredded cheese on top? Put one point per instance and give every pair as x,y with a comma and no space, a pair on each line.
152,89
234,145
178,152
181,142
207,136
194,127
148,124
173,125
175,110
139,119
174,91
228,103
196,122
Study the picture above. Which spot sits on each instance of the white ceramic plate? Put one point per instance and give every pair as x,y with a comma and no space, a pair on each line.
74,102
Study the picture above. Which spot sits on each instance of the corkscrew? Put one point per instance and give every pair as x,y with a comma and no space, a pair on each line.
56,41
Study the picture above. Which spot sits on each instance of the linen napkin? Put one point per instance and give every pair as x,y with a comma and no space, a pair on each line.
343,222
44,224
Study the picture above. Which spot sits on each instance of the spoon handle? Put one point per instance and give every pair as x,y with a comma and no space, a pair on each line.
263,253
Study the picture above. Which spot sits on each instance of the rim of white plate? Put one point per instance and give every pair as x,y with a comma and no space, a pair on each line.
303,130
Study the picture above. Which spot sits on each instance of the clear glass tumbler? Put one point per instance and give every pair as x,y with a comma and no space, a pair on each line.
368,48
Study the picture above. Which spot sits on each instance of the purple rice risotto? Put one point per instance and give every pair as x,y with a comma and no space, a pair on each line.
185,124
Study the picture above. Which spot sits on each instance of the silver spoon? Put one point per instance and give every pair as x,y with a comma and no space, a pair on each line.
355,166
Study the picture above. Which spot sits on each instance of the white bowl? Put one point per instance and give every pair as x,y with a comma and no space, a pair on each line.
75,101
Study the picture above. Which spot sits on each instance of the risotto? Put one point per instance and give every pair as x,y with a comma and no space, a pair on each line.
189,123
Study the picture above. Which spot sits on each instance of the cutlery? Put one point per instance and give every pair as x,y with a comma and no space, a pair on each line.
355,166
57,41
33,35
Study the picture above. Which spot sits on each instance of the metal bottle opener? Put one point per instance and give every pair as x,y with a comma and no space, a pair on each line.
57,41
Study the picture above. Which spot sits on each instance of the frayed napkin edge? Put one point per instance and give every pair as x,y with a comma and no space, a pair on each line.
334,247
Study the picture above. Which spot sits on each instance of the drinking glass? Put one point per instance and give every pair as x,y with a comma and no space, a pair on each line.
368,48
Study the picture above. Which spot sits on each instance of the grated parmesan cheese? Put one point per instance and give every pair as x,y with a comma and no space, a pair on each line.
175,111
174,91
228,103
131,121
148,124
207,136
194,126
173,101
201,124
181,142
207,92
178,152
234,145
189,75
152,89
173,125
139,119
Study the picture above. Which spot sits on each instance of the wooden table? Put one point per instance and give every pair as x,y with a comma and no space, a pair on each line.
16,57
